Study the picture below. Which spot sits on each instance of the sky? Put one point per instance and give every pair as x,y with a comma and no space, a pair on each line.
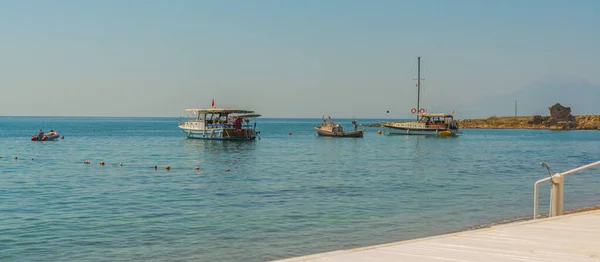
283,58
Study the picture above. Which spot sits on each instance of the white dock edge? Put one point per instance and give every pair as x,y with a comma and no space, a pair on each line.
573,237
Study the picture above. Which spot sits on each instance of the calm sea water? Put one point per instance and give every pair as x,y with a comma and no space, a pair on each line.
285,195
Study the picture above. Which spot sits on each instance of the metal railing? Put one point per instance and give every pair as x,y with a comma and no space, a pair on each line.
557,189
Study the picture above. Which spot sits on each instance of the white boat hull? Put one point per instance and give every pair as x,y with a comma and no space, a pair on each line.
415,128
218,133
395,131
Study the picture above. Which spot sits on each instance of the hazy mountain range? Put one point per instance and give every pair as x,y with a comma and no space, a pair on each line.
535,98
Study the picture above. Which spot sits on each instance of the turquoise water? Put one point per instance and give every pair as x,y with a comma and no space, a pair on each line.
285,195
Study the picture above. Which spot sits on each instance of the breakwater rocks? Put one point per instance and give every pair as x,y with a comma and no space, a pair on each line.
560,118
582,122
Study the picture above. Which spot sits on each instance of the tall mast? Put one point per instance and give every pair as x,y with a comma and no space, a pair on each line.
418,85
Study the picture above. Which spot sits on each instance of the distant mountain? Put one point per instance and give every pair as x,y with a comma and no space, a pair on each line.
536,98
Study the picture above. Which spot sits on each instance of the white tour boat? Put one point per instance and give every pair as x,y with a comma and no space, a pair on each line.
220,124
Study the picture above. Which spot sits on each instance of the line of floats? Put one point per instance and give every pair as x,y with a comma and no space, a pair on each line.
102,163
155,167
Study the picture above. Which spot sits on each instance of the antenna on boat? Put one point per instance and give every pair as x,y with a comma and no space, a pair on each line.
418,85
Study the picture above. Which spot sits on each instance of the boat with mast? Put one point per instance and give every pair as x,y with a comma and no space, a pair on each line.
436,124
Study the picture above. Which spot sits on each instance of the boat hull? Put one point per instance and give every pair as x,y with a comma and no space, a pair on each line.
357,133
422,132
221,134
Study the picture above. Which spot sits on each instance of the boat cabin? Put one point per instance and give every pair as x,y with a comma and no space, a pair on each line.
436,120
222,118
331,126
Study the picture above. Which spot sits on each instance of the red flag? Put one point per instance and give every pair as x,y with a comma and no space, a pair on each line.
213,102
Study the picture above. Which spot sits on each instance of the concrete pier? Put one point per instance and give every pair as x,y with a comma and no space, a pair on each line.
573,237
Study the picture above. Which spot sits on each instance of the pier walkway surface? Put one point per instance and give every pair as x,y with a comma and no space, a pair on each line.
573,237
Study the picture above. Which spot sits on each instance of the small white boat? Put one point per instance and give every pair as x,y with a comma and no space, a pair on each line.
220,124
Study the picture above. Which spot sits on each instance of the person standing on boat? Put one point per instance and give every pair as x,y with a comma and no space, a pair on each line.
40,135
238,123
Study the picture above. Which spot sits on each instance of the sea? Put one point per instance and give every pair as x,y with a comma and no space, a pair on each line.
288,193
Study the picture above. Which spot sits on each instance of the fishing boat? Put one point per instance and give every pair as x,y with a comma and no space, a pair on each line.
332,129
220,124
436,124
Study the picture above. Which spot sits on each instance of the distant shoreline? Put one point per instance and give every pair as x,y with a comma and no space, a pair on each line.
581,122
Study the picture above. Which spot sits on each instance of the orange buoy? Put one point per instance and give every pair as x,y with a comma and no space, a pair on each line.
197,168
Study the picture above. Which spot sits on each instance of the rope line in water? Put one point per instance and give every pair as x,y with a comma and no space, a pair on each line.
121,165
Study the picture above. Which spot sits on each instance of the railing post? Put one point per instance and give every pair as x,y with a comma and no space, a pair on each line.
557,195
557,192
535,200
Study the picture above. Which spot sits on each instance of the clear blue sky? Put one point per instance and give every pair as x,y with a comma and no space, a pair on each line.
284,58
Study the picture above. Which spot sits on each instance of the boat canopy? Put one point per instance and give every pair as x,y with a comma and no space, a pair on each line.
435,115
249,115
219,110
